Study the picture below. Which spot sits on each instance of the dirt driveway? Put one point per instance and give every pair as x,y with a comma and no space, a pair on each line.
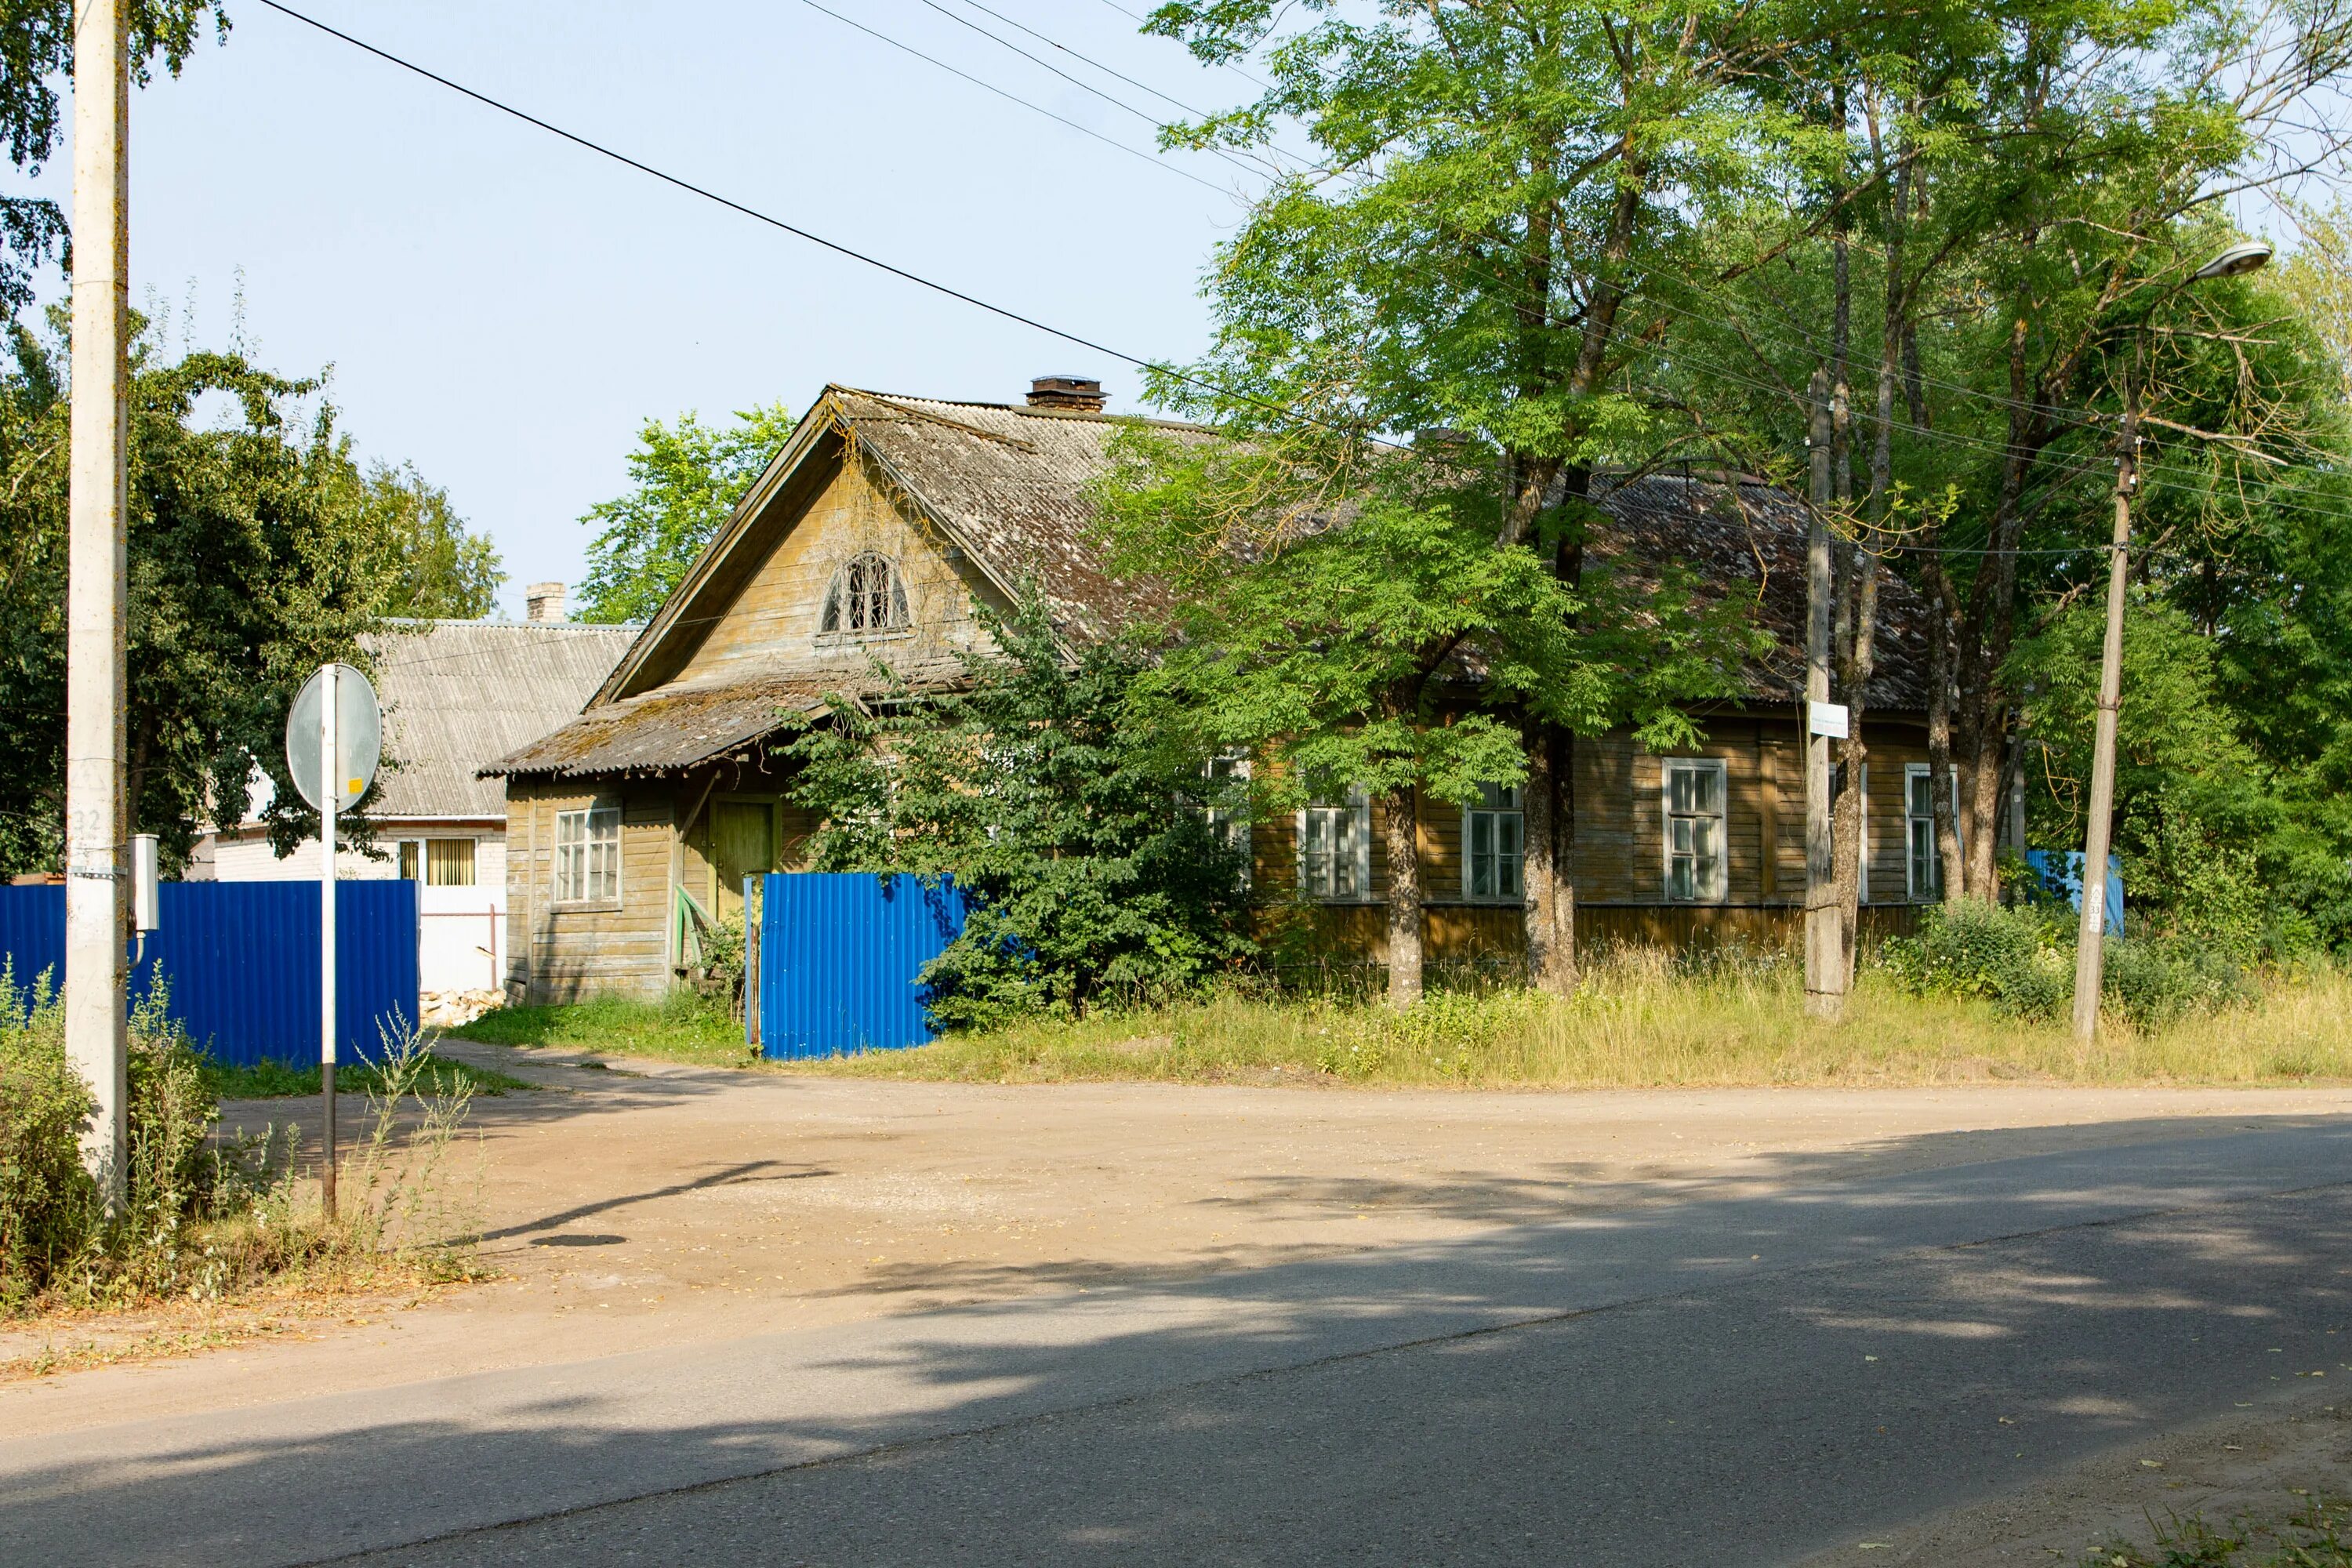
658,1205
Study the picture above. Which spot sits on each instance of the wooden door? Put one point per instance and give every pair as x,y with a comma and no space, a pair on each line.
743,840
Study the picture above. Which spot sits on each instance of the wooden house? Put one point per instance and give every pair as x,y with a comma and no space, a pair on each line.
885,519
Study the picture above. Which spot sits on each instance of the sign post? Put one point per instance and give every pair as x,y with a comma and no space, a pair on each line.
334,737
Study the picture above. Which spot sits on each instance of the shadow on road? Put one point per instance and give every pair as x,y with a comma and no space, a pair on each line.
1734,1380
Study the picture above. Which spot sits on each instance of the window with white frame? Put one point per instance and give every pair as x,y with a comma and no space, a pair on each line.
1228,776
588,855
1924,868
1335,849
1693,788
1494,845
866,598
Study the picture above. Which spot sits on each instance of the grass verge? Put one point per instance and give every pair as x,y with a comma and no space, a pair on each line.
1643,1019
683,1027
276,1080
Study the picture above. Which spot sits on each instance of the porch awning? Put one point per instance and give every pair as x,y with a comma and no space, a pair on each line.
666,731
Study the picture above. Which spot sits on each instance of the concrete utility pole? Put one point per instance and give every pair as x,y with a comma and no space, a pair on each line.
1824,946
98,825
2090,957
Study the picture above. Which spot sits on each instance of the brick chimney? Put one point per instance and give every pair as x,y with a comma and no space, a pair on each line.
543,602
1077,393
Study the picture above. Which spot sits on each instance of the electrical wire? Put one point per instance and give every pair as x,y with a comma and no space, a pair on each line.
1009,98
838,248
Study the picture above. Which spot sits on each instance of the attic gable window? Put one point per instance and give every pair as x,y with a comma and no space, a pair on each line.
867,599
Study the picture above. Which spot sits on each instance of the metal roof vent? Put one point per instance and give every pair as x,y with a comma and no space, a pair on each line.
1077,393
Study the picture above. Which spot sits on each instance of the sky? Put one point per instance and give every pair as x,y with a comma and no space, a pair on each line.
504,310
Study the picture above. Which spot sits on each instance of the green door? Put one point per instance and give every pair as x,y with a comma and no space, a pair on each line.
743,840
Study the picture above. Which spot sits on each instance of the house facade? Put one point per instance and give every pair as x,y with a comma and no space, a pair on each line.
455,695
885,519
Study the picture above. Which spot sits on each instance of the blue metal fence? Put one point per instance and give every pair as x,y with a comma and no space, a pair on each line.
838,957
240,961
2060,871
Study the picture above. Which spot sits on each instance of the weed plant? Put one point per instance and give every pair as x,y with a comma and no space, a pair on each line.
2318,1533
206,1216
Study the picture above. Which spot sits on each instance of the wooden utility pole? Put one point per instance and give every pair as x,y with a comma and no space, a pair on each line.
98,825
1824,950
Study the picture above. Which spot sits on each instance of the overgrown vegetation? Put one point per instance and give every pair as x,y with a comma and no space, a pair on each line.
209,1216
1644,1018
683,1026
2023,960
1079,835
2315,1534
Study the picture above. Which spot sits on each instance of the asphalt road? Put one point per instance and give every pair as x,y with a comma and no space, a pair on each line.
1725,1382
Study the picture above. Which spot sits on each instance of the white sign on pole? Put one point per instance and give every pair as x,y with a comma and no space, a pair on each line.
334,737
1832,719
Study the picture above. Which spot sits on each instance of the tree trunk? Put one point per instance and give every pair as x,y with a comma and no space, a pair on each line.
1550,911
1944,792
1852,808
1400,824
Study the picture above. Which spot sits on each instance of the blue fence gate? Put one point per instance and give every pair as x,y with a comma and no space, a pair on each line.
240,961
837,958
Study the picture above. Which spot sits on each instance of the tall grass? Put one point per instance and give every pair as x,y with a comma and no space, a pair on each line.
208,1215
1645,1018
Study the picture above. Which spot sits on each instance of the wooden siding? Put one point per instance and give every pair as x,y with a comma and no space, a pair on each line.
1618,854
772,623
558,954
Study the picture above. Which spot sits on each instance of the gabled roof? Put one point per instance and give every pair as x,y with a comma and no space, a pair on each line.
1012,487
459,694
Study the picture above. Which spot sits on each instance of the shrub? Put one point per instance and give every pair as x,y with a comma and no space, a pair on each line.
2023,960
2018,959
54,1227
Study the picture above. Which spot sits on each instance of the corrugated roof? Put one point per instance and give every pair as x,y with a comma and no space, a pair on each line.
457,694
665,730
1014,484
1744,540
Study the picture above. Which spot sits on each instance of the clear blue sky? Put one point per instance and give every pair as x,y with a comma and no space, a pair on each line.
503,310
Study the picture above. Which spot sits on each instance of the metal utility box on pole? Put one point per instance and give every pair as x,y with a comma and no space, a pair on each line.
97,822
1824,946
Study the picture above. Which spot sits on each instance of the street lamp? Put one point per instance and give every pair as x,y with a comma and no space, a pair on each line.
2090,958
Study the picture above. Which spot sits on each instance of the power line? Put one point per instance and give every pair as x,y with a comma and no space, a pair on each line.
989,87
838,248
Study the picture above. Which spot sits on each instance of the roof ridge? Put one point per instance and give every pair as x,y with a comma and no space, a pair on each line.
899,399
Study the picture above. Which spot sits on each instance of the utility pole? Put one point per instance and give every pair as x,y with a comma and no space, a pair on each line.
2090,957
1824,945
98,824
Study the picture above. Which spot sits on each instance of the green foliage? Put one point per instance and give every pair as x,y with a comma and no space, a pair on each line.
685,478
2316,1532
431,1075
681,1027
1325,616
433,568
257,550
2023,960
55,1235
1074,828
36,55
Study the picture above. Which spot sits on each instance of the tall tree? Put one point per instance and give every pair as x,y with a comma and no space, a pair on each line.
436,567
257,551
1501,189
686,478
